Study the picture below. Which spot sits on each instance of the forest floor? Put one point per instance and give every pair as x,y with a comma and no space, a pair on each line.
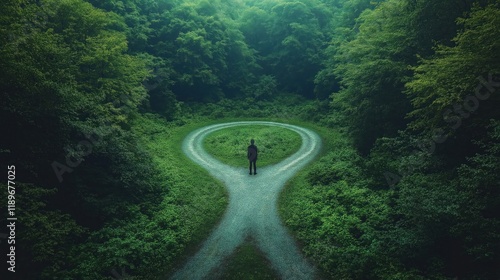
252,210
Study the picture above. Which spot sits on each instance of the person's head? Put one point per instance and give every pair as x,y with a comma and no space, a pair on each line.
252,141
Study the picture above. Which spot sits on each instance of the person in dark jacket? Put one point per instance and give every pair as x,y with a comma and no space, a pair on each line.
252,156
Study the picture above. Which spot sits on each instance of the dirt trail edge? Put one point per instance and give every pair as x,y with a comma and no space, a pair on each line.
252,209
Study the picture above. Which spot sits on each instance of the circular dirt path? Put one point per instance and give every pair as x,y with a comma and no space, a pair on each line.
252,209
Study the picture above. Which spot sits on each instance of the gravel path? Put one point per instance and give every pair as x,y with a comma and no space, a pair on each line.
252,209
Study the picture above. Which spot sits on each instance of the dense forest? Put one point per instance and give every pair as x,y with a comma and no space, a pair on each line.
96,96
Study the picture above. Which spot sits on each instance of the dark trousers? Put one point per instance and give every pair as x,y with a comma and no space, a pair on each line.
253,162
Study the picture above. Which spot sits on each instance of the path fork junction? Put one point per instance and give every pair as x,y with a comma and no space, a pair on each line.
252,208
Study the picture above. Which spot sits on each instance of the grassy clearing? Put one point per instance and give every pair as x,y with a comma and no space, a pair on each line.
229,145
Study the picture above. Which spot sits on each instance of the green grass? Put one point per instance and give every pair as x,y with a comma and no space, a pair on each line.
247,263
229,145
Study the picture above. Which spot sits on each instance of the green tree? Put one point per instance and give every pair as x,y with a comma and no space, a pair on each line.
288,36
373,69
67,78
207,53
457,82
372,64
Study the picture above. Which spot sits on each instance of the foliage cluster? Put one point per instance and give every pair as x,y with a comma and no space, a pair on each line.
150,246
92,196
416,94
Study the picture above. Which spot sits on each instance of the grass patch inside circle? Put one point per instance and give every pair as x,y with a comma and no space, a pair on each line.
229,145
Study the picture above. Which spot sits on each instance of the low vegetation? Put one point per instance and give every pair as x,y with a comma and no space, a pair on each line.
229,145
247,263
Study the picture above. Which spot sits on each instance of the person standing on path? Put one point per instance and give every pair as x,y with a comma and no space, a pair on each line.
252,156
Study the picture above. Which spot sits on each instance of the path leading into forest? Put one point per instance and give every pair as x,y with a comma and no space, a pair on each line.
252,210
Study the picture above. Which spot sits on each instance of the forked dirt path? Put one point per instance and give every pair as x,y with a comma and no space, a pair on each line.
252,209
